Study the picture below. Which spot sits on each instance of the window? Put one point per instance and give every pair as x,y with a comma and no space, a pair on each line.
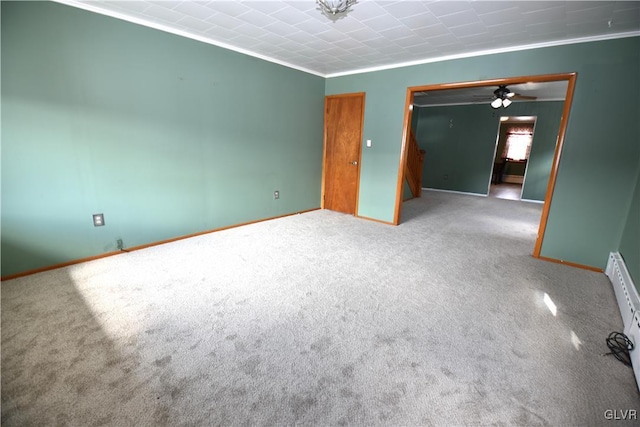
518,143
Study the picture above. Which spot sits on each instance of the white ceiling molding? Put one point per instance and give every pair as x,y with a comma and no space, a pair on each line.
490,52
377,35
181,33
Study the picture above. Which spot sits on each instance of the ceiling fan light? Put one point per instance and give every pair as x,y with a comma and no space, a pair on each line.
501,92
496,103
506,102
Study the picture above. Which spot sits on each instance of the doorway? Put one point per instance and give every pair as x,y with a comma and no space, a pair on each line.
569,78
511,158
343,120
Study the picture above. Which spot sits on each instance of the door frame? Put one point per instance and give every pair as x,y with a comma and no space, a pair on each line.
570,78
495,154
324,146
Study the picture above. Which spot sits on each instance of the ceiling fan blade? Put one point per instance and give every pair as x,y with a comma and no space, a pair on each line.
518,96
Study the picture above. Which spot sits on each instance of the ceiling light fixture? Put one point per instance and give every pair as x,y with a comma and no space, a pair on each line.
502,95
335,9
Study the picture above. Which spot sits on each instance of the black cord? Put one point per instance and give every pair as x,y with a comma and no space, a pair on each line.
620,346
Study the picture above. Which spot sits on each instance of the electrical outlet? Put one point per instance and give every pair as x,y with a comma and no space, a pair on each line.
120,244
276,194
98,220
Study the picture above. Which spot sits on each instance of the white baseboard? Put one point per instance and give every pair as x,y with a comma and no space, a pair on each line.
532,201
453,191
628,303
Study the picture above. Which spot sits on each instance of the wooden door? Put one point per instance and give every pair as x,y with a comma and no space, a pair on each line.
343,119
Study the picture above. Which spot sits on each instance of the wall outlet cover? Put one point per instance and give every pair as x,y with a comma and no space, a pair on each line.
98,220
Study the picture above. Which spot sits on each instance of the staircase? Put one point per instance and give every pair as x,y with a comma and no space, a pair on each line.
413,165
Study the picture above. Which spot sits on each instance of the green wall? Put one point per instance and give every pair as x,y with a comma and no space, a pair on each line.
460,141
164,135
406,191
597,168
168,136
630,241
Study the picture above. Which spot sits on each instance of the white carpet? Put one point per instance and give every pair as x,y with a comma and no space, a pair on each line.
320,319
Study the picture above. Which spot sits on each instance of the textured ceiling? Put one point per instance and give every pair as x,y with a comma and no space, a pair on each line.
377,34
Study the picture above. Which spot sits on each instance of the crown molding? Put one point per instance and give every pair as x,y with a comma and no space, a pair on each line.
160,27
489,52
157,26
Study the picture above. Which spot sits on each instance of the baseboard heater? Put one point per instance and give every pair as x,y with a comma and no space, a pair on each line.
629,304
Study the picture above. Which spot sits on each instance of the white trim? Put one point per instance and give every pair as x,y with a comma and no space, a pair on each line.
489,52
477,194
157,26
454,191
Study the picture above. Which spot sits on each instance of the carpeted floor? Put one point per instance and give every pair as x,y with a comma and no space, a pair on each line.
320,319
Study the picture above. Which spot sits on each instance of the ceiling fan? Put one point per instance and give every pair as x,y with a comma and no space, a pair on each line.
503,97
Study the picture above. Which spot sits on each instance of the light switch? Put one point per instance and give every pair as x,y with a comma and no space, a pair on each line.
368,143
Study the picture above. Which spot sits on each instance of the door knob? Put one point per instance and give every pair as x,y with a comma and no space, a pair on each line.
354,162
